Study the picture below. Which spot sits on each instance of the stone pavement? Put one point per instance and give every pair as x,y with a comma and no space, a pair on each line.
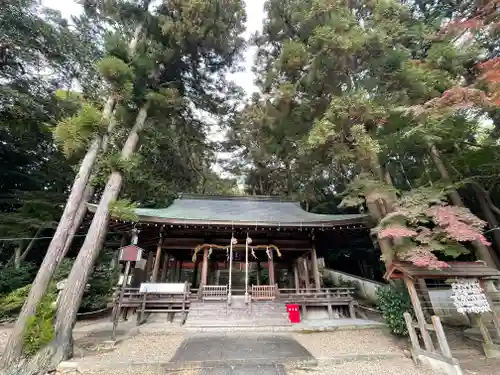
244,370
209,350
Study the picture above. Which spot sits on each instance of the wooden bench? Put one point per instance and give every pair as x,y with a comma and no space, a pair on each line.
264,292
127,299
214,293
163,298
329,297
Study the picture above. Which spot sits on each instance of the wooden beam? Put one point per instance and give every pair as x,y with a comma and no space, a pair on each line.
315,269
420,315
156,269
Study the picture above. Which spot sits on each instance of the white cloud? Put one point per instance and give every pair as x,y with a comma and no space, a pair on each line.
67,8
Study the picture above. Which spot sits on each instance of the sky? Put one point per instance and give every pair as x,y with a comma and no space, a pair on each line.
245,78
255,16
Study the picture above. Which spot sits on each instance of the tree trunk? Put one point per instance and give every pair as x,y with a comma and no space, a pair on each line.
17,255
482,252
32,242
66,229
72,294
54,254
488,215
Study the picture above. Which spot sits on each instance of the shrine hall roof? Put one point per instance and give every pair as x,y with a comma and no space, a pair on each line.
241,210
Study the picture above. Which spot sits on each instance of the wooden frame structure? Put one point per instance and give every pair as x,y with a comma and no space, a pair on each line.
413,275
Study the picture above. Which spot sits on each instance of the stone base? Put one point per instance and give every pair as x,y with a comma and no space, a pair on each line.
437,362
491,350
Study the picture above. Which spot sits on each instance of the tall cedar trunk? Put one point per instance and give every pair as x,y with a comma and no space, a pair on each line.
482,252
71,295
17,255
54,254
489,216
73,214
26,251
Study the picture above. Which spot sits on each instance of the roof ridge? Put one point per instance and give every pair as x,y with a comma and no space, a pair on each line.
266,198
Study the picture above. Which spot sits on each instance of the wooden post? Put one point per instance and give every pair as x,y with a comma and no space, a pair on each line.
204,267
411,331
116,314
259,272
271,268
306,273
149,266
156,268
420,315
179,278
441,337
195,273
291,281
164,269
296,276
315,268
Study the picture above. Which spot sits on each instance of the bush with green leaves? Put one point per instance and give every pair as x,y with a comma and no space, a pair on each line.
12,278
39,330
393,301
101,283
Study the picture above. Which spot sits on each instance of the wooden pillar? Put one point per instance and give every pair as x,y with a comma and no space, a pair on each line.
149,266
259,272
164,269
156,269
306,273
204,267
417,307
296,276
195,273
315,268
271,267
179,277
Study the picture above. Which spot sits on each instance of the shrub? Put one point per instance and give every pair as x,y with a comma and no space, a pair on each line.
12,279
101,283
39,330
393,301
11,304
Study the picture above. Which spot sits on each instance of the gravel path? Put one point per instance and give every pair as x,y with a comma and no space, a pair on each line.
331,344
132,371
143,348
387,367
4,335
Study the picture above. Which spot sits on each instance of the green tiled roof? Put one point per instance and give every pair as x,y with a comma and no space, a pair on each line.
262,210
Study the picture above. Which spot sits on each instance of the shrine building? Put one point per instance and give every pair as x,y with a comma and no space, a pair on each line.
226,248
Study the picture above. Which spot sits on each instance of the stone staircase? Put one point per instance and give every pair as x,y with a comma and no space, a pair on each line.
238,315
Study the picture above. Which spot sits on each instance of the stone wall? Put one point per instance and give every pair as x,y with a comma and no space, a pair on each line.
366,289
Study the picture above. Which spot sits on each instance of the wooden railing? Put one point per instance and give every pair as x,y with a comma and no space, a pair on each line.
329,297
163,298
264,292
214,293
342,292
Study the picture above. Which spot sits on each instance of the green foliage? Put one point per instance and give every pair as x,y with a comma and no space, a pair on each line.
393,301
118,73
102,282
74,133
39,330
12,278
123,209
11,303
